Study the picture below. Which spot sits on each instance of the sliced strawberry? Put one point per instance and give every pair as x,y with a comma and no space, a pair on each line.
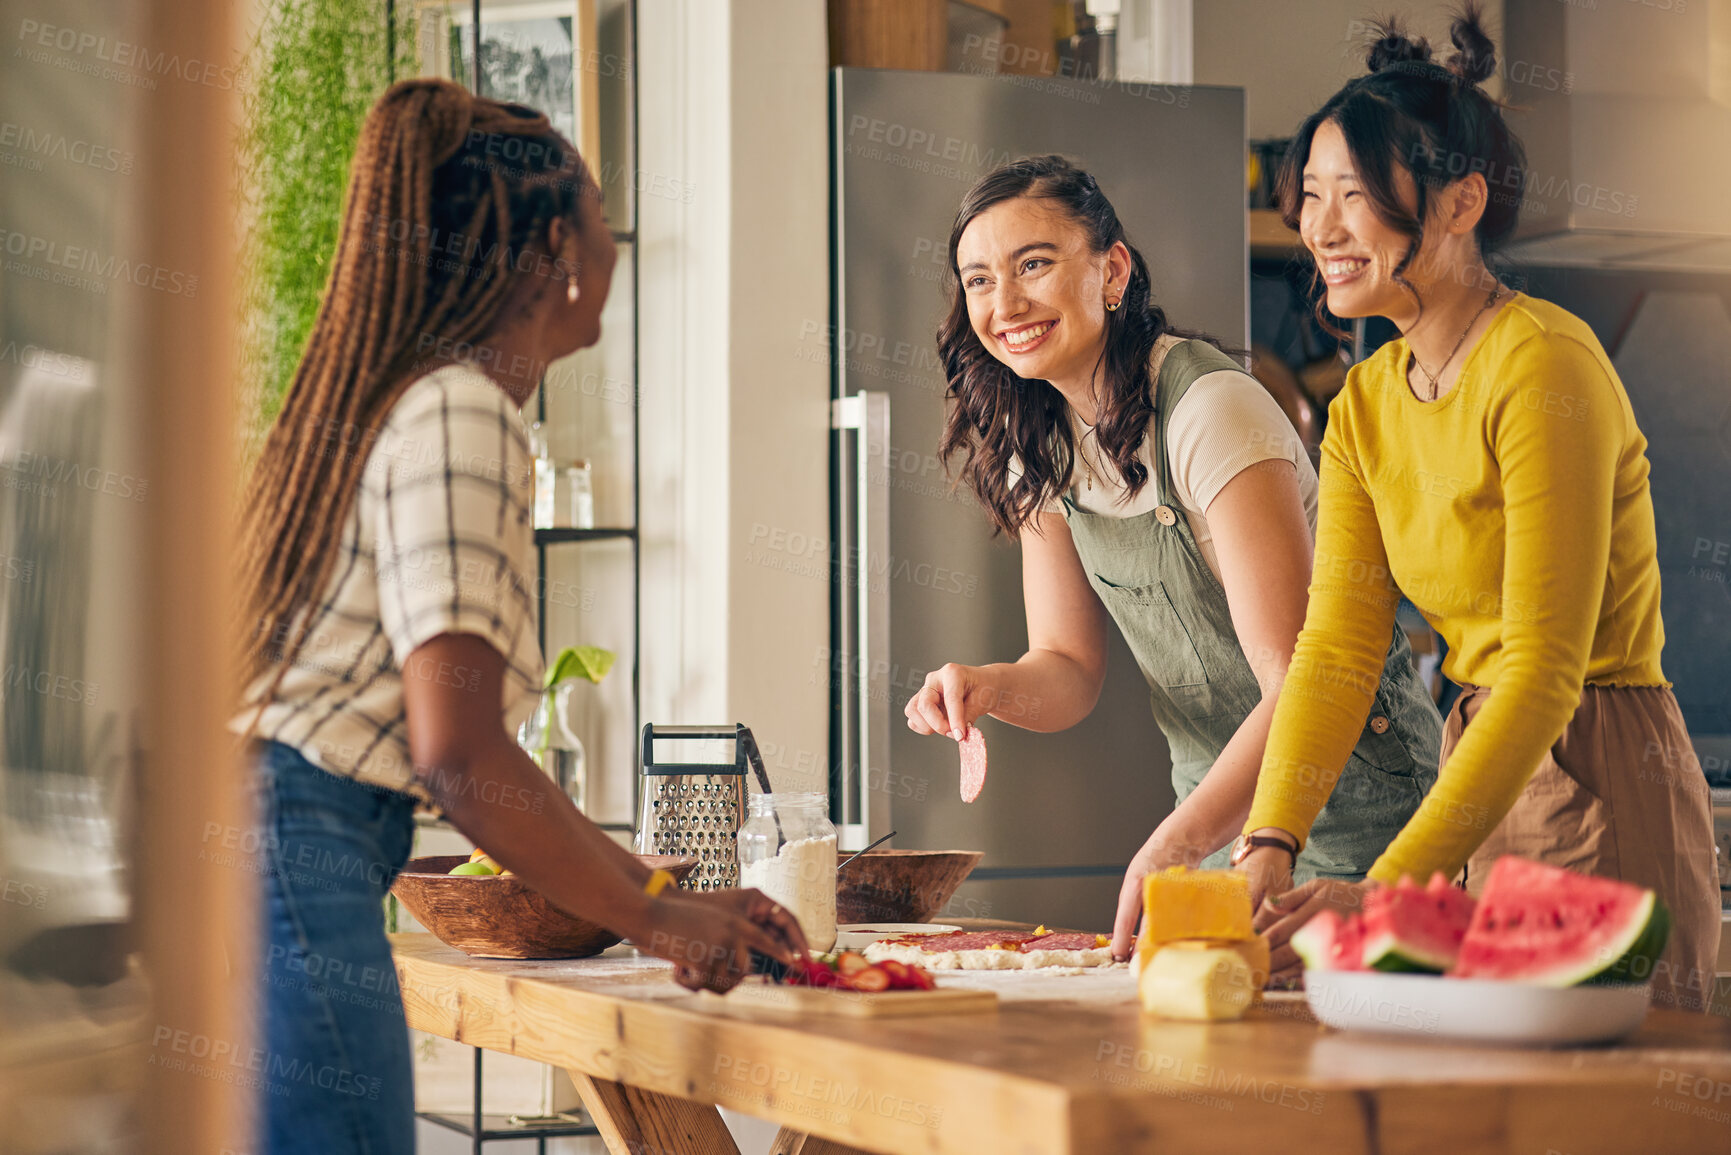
900,977
920,979
870,979
850,962
809,973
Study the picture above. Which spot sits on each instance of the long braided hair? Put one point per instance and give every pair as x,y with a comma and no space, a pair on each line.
450,195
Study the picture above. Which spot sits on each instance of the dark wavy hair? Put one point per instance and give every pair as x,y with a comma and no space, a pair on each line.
996,416
1432,120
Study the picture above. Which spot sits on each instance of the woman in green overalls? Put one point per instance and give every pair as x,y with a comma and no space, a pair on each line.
1149,478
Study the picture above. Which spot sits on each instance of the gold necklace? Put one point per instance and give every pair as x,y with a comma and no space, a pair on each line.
1434,378
1082,455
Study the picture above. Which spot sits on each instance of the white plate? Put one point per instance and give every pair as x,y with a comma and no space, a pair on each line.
1481,1010
854,936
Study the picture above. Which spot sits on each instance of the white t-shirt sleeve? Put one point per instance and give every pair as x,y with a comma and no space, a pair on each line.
1225,423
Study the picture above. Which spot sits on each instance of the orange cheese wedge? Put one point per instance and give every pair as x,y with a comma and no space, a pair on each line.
1181,903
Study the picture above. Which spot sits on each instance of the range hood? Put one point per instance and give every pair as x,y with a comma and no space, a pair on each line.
1625,111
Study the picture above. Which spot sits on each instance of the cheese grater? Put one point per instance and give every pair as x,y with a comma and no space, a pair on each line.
696,808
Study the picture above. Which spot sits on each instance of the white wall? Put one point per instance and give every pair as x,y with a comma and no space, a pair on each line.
732,104
1291,55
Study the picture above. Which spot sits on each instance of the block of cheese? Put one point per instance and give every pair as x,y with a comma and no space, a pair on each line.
1203,985
1179,903
1254,952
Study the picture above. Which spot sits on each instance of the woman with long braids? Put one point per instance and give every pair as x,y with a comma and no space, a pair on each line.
390,639
1488,465
1149,479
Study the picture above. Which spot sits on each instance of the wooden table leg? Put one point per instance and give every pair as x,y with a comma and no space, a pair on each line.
791,1142
633,1121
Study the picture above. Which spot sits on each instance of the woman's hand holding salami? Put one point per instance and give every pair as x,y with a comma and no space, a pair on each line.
953,696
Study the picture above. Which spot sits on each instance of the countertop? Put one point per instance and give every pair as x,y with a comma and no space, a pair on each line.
1070,1064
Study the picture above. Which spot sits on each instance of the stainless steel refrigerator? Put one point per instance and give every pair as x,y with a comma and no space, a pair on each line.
921,581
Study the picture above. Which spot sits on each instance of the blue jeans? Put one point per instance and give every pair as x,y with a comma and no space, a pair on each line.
335,1077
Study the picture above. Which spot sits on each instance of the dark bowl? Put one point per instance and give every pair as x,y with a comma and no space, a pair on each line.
501,916
900,885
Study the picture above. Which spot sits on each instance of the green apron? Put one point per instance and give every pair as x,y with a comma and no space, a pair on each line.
1173,612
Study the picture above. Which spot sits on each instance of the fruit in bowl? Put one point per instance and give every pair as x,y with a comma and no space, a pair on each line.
501,916
1534,924
480,862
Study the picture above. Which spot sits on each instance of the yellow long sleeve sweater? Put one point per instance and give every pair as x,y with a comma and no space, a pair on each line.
1514,512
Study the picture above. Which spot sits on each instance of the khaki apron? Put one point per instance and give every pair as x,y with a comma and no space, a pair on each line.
1173,612
1621,794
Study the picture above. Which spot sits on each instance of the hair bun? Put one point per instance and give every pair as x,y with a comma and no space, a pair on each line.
1393,46
1475,60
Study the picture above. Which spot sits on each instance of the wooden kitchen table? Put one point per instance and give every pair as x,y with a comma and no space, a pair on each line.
1064,1065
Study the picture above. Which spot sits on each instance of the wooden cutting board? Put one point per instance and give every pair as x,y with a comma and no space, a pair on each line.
761,994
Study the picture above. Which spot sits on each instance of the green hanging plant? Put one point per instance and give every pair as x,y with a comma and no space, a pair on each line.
318,66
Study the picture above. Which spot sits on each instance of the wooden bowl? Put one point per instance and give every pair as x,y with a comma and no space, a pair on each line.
900,885
501,916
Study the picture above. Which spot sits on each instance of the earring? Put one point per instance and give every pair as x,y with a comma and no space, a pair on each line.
1112,306
572,292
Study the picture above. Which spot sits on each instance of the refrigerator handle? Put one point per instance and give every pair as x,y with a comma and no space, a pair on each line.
865,745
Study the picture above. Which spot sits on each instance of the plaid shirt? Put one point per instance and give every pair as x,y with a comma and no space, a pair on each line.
439,542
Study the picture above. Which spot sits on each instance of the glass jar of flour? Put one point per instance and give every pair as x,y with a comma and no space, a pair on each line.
787,850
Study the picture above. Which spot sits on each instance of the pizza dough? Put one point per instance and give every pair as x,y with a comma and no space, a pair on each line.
973,746
996,950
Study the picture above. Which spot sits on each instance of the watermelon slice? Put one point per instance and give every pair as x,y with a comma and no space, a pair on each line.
1329,942
1552,927
1408,927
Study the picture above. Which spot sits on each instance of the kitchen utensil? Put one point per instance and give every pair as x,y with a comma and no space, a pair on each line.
756,761
501,916
901,885
869,846
696,808
1480,1010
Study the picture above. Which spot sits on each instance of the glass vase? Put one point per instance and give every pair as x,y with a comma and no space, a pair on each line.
549,740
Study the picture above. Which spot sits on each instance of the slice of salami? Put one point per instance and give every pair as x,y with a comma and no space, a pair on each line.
1062,942
973,746
966,940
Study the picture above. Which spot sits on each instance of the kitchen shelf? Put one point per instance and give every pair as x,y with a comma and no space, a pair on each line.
562,534
1270,239
482,1128
500,1127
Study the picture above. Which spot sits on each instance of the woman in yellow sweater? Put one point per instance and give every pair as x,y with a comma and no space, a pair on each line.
1487,465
